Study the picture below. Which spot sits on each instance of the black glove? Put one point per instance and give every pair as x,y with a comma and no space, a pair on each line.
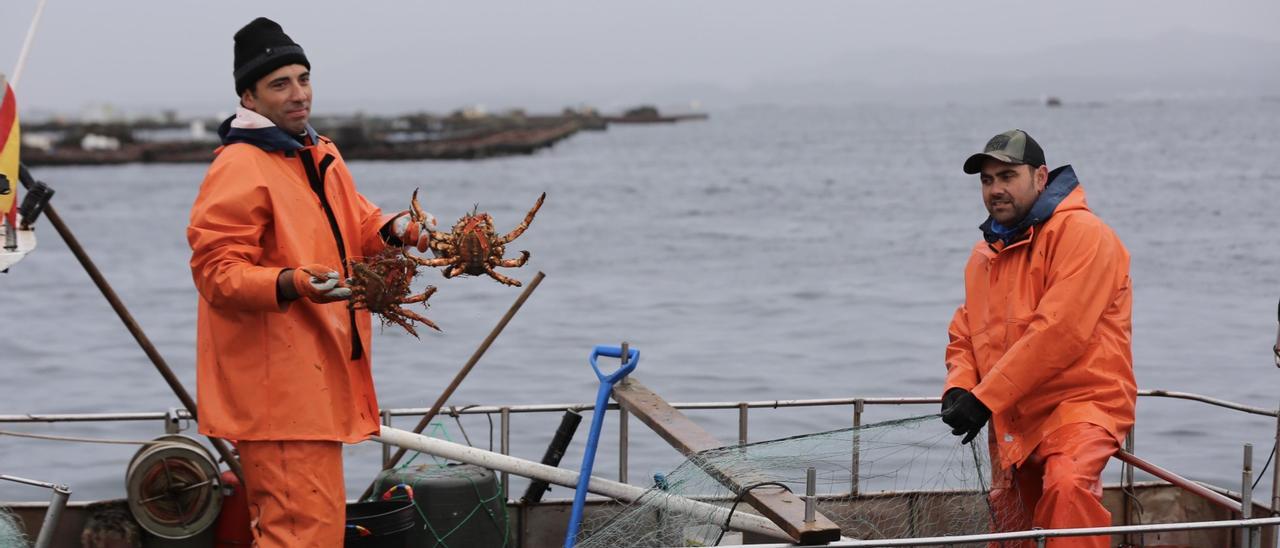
966,415
949,399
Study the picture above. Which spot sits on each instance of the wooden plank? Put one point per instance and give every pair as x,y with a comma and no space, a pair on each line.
779,505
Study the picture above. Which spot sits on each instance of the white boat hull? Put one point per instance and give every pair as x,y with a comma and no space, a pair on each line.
26,240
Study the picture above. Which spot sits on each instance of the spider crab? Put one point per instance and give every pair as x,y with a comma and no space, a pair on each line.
381,284
472,247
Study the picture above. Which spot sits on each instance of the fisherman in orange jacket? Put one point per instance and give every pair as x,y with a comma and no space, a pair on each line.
1041,346
282,363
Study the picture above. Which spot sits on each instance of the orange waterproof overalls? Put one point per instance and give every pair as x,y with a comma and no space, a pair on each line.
1043,340
289,382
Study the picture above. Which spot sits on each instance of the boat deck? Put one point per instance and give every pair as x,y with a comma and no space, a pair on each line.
1157,512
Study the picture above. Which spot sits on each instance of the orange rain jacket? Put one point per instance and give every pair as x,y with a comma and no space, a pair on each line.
1043,337
267,370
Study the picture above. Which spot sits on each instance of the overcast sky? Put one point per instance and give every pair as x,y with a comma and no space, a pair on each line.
384,56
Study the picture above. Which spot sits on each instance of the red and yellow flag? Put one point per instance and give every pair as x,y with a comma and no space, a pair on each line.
10,142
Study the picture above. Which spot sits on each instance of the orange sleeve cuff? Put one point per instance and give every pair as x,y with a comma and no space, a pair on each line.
960,377
259,289
997,392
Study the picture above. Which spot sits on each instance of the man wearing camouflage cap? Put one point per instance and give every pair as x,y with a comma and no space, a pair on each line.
1041,345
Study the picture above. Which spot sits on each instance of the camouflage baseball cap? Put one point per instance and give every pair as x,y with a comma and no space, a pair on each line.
1011,147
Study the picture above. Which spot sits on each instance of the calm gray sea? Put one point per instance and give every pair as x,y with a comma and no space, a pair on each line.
769,253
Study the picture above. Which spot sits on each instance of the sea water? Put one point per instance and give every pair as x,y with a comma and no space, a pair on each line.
768,253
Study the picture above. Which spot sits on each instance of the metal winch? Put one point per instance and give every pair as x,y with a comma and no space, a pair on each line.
173,487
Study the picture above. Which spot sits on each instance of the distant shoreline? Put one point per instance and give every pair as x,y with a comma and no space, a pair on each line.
463,135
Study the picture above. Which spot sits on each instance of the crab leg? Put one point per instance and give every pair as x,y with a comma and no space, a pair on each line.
451,272
415,212
520,228
439,261
419,318
442,245
402,323
513,262
500,277
420,298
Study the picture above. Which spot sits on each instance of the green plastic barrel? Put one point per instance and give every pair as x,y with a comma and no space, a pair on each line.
460,504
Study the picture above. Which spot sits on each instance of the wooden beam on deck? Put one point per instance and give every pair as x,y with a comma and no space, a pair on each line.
779,505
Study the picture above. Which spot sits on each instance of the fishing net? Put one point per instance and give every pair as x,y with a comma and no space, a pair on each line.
12,534
912,477
457,505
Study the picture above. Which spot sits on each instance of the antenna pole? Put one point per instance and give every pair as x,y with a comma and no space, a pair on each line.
26,45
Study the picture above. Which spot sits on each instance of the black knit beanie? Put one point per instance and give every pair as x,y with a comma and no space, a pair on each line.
262,47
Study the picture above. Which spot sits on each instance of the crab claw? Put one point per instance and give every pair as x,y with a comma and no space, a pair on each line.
421,216
415,212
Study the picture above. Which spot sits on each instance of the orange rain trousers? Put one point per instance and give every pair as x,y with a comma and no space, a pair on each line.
1058,486
296,492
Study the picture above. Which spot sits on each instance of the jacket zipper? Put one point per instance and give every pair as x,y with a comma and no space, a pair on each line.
316,179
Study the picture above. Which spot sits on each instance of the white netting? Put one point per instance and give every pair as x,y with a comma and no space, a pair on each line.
913,479
11,533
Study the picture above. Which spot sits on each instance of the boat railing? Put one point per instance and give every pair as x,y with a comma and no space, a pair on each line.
1042,536
175,417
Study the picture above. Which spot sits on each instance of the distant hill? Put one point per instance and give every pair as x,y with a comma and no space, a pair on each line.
1176,64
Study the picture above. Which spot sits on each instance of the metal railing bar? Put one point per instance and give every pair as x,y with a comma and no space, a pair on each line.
1049,533
1211,401
35,483
560,407
579,407
90,417
1190,486
841,496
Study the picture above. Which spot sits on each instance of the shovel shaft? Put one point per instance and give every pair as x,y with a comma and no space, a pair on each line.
588,461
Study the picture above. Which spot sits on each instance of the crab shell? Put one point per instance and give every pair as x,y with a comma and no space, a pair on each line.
474,242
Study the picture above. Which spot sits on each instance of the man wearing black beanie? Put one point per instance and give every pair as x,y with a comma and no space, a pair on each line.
282,363
261,47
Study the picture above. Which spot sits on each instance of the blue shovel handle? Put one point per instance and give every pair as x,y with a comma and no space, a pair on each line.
597,422
633,358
